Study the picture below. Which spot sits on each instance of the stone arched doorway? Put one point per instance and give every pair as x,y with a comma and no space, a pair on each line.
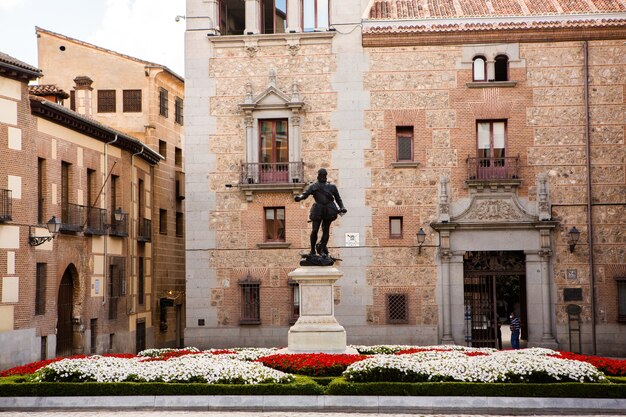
65,305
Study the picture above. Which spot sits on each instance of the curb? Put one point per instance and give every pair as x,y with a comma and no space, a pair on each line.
321,403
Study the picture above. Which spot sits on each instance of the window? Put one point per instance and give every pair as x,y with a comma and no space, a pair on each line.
395,227
314,15
274,16
274,151
397,309
93,325
491,136
178,110
65,192
131,101
180,224
41,169
621,299
91,187
250,301
479,68
106,101
178,157
40,290
404,143
44,348
141,281
232,17
73,100
163,102
163,148
294,313
275,224
163,221
501,68
117,286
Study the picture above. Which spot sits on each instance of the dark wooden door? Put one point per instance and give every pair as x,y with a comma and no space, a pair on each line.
65,332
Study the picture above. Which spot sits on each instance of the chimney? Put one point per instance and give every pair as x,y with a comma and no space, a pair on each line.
83,94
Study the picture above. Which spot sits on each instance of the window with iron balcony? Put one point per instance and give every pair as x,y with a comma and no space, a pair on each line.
491,161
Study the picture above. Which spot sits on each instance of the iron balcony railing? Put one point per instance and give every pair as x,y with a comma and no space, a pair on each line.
118,227
505,168
272,173
144,230
6,205
96,221
73,217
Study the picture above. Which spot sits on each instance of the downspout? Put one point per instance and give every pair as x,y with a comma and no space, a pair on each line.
106,236
592,280
133,242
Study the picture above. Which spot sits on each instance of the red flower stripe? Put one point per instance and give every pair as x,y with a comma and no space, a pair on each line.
313,364
611,367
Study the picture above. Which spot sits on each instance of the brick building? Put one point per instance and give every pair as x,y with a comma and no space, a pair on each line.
144,100
472,143
69,292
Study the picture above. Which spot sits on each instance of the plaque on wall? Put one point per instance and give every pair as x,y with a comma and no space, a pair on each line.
572,274
572,294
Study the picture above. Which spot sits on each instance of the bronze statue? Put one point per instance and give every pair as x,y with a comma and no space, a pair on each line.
323,213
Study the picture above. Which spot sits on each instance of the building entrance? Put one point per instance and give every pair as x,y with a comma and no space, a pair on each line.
65,327
494,285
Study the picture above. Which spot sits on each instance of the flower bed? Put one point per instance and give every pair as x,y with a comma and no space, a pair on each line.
383,363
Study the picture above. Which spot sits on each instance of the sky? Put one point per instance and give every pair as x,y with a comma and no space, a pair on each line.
144,29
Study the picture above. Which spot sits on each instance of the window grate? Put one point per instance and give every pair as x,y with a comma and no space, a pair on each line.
250,301
163,102
397,309
106,101
178,110
621,299
131,101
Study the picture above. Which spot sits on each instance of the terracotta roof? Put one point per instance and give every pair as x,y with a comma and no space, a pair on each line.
450,9
146,63
65,117
47,90
14,68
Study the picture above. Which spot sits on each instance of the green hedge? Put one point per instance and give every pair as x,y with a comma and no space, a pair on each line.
302,386
340,386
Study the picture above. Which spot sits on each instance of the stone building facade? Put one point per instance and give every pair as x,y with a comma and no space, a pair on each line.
144,100
467,141
67,293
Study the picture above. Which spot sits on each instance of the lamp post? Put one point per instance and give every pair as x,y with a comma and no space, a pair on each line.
574,235
53,226
421,238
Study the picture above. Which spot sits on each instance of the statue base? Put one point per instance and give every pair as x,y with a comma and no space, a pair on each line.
316,330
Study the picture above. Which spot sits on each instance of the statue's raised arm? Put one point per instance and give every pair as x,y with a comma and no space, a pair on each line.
323,212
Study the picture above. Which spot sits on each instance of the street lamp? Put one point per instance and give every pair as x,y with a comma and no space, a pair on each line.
574,235
53,226
421,238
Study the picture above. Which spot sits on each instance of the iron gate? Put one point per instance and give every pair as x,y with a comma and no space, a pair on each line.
487,276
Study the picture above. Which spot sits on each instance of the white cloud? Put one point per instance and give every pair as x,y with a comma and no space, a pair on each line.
10,4
144,29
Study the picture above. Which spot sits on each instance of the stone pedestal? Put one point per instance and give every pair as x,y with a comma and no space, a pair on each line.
316,330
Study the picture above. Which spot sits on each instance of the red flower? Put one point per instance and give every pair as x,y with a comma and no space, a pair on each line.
611,367
313,364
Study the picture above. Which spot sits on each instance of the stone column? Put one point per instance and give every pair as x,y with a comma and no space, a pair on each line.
83,95
445,256
293,16
253,8
544,262
316,330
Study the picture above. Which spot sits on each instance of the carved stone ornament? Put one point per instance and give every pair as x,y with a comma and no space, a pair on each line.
488,209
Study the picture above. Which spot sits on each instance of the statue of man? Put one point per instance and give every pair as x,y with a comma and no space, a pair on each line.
323,212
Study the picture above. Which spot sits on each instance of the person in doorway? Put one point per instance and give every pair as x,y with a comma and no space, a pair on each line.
515,327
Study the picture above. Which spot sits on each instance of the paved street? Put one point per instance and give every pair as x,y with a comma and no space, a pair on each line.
246,414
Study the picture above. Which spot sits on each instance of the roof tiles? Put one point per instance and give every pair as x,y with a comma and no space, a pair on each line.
421,9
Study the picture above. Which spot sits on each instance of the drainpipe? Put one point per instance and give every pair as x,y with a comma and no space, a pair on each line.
133,242
592,280
106,237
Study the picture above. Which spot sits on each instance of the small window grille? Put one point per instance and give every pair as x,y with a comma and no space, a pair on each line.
395,227
73,100
163,102
294,287
621,299
404,139
131,101
178,110
106,101
250,301
40,291
397,309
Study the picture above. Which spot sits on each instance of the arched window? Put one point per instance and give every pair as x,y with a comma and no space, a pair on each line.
479,68
501,68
